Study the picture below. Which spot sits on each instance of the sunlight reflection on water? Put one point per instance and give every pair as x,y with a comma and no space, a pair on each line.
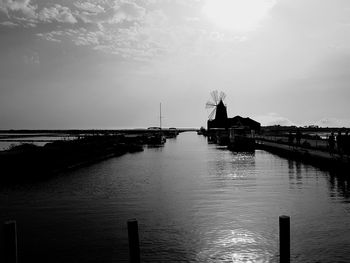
238,245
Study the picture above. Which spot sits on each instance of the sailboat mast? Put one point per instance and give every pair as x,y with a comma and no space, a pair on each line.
160,115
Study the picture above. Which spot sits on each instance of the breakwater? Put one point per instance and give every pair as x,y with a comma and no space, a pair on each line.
305,152
309,148
27,162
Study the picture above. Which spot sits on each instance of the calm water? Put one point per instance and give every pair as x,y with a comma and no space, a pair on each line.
195,203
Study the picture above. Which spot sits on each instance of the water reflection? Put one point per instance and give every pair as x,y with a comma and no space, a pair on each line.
295,173
298,173
291,170
232,165
236,245
339,186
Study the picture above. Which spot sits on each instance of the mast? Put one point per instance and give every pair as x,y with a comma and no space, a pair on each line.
160,115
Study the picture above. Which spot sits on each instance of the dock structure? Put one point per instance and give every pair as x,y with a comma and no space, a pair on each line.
237,133
305,147
318,156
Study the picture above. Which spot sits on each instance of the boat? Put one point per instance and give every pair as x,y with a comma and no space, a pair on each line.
156,137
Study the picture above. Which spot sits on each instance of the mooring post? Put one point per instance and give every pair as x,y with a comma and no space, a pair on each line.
10,241
134,246
284,223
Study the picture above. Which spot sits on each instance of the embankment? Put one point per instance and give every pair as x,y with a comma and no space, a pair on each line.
322,159
29,162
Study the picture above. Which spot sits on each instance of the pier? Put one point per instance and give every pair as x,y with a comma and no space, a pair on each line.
309,147
315,156
312,150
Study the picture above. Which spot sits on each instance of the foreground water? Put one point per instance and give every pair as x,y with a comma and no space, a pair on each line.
195,202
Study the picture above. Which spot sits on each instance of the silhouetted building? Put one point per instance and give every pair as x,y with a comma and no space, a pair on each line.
220,120
239,121
223,122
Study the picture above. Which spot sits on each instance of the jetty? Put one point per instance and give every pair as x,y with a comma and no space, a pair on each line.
311,155
309,148
27,162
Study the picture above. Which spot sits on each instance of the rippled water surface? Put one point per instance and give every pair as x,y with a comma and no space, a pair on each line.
195,202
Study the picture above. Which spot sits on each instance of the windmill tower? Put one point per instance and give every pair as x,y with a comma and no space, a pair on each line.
218,109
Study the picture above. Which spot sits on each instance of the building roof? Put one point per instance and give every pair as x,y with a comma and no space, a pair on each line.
240,121
236,121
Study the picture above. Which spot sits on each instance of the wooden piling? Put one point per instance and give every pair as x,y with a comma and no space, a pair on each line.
134,246
10,242
284,225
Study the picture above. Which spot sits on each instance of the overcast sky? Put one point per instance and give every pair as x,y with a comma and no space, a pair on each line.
109,63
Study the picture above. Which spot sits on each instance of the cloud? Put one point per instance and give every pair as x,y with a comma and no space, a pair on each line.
8,24
156,18
122,11
125,42
14,4
127,29
129,12
26,14
51,36
80,37
271,119
88,38
121,27
57,13
22,6
151,35
89,7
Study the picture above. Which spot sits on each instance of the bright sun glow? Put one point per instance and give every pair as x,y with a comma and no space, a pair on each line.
237,15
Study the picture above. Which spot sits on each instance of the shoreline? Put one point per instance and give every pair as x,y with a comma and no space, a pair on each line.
318,158
28,162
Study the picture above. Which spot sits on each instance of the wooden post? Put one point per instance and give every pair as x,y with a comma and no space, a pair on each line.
10,241
284,224
134,246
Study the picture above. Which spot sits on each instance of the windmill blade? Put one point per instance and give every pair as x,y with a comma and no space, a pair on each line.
214,95
209,105
222,96
211,115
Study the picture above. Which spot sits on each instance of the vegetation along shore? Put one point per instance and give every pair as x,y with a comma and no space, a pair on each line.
28,162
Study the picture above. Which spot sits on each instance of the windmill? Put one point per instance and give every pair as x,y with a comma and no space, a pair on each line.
217,105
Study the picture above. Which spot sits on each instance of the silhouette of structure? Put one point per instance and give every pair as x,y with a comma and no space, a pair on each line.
221,121
248,123
237,133
219,110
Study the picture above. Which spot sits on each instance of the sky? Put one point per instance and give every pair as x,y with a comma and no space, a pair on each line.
73,64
